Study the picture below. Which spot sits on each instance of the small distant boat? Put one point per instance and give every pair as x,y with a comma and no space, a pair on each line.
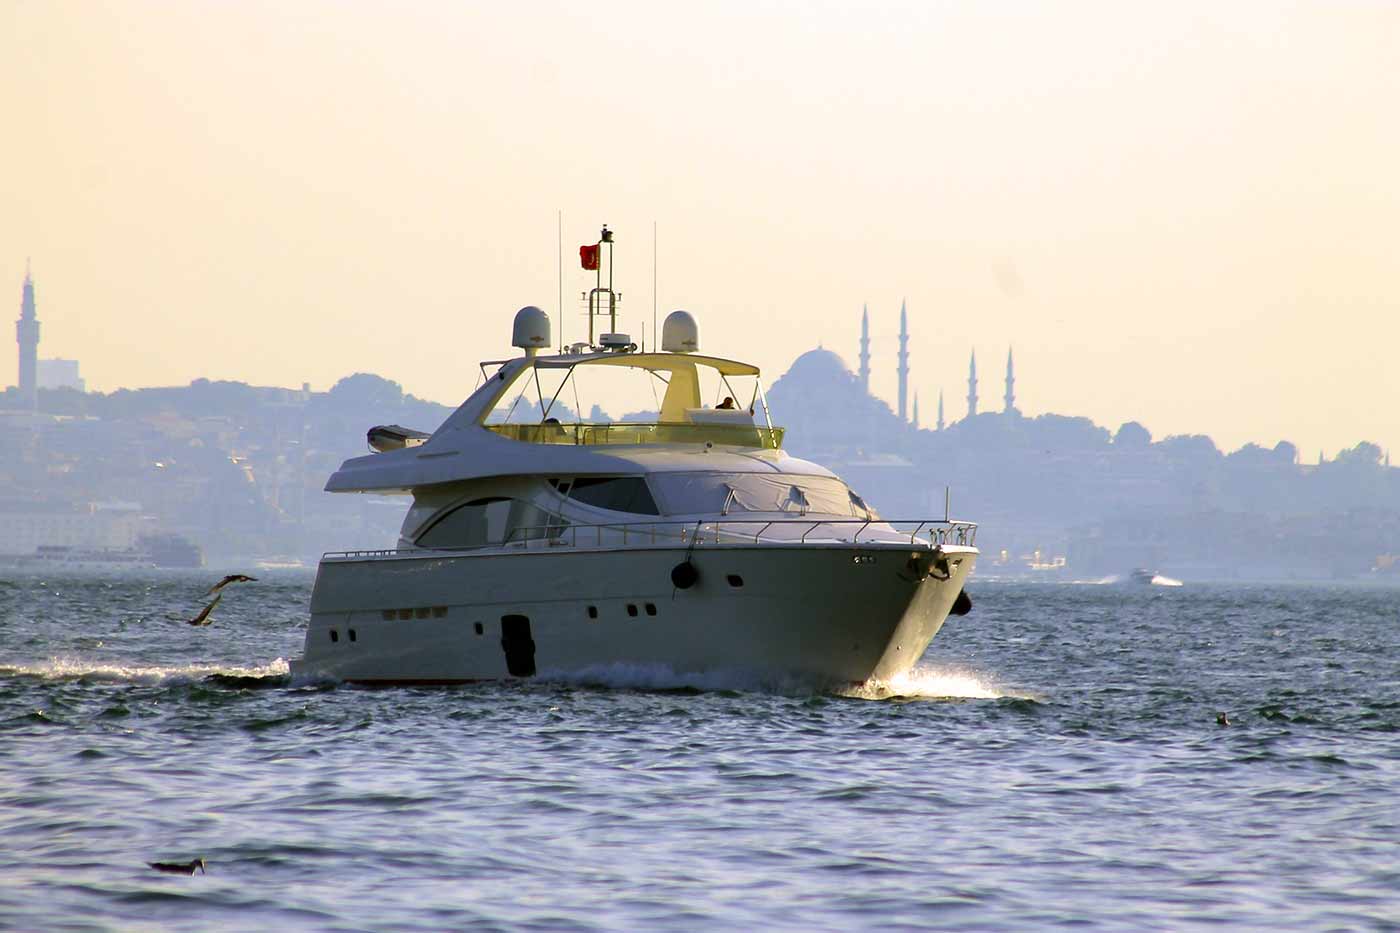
1151,578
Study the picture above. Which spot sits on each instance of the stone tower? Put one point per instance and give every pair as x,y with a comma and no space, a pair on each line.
972,387
903,363
1010,397
865,348
27,335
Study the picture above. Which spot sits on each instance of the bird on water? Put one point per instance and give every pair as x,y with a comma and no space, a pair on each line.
1221,719
179,868
231,578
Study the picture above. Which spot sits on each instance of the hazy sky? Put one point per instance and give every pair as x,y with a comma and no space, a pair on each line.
1186,214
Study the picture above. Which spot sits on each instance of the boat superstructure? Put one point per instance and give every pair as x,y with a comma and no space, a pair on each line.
540,541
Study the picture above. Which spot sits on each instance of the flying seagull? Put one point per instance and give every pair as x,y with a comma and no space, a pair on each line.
179,868
203,617
231,578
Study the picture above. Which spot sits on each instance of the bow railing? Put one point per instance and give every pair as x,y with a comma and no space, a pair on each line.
723,532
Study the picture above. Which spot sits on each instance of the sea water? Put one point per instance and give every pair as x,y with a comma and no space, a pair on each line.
1055,760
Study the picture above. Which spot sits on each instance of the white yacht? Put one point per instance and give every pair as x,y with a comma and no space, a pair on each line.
539,545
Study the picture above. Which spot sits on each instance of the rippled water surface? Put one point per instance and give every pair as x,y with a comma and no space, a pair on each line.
1055,760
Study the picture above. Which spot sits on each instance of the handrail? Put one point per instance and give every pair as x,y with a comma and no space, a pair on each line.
721,532
638,432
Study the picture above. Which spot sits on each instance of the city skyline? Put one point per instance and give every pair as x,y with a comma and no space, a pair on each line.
1178,216
66,374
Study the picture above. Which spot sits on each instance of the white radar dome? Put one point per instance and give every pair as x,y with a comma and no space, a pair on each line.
531,329
680,333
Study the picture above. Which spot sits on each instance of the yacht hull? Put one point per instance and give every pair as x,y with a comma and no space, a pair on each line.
831,614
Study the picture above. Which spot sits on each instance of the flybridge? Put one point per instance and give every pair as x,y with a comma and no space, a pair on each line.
531,394
692,399
697,399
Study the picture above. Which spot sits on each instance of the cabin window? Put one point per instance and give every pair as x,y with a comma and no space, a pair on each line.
495,521
615,493
473,524
733,493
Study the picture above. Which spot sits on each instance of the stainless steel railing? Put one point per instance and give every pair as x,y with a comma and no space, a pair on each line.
926,533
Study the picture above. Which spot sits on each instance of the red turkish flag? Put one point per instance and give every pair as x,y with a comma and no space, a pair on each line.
588,255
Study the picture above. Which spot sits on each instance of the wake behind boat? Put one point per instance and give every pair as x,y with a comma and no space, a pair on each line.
693,542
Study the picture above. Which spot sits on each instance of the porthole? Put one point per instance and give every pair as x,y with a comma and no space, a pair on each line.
632,609
592,612
480,629
735,580
352,634
651,609
335,636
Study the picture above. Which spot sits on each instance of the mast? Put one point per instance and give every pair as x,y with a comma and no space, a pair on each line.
599,294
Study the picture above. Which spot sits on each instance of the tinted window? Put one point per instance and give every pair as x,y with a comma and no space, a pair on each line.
617,493
491,521
471,525
731,493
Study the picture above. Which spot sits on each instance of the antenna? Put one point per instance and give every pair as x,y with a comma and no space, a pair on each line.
559,309
653,281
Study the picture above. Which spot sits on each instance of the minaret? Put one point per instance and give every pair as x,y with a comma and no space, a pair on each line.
972,387
940,409
903,363
916,410
1010,397
865,348
27,335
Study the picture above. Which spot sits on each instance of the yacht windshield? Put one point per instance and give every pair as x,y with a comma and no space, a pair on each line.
632,387
731,493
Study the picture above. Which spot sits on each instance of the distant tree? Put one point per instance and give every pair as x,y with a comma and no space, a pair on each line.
1189,448
1363,454
63,401
1132,436
366,390
1286,452
1064,433
204,397
1251,454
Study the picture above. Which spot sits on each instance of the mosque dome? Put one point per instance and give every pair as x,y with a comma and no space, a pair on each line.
816,366
823,404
